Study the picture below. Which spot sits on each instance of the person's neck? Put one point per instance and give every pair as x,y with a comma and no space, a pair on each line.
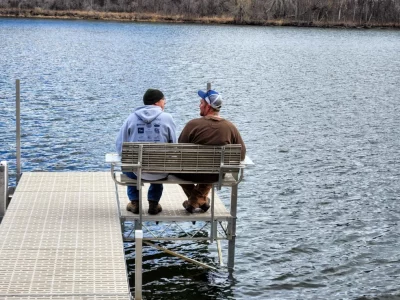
214,114
159,105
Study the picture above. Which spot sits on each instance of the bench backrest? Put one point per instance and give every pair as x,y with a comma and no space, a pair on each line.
179,158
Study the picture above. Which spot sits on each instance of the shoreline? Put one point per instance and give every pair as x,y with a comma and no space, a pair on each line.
159,18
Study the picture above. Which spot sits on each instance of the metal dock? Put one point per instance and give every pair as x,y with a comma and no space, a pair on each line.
61,239
61,235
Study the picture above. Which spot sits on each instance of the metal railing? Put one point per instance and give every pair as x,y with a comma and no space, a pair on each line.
3,188
18,127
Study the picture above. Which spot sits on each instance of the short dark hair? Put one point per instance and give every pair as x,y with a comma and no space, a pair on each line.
152,96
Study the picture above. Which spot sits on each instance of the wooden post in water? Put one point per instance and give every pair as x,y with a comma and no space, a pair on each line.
18,129
208,86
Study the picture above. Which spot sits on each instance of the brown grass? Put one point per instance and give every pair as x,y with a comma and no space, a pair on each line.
116,16
152,17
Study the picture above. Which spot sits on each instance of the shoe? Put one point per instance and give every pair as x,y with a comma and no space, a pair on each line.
154,208
206,205
133,206
189,208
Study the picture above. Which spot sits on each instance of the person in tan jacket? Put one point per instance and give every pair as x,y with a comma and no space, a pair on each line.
209,129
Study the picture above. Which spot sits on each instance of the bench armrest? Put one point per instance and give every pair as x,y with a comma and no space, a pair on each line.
113,158
247,162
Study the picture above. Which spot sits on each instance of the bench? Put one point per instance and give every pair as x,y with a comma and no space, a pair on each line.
181,158
139,158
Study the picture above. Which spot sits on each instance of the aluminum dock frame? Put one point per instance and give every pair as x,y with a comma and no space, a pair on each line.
61,236
61,239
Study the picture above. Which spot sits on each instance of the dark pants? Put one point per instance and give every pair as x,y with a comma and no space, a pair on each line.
197,193
154,193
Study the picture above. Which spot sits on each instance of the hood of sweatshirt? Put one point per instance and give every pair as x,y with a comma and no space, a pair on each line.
147,113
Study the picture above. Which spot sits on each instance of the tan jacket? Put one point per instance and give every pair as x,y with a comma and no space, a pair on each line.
211,130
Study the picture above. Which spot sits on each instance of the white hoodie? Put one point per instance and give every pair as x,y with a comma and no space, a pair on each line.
147,123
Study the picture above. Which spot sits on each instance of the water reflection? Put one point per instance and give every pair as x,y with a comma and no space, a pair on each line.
164,274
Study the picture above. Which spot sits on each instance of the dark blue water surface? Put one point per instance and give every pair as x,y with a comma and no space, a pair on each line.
319,214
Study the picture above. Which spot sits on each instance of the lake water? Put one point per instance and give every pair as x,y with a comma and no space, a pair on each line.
319,214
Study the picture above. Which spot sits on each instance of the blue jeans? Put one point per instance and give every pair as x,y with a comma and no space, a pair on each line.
154,193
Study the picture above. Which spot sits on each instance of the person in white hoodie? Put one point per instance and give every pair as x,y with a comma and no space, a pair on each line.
147,123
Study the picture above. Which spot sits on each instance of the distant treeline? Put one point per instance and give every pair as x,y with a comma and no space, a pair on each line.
300,12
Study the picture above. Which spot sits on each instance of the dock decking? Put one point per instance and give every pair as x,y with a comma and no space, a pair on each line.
61,239
171,202
61,235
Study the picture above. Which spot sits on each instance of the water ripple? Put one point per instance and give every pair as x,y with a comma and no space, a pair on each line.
318,215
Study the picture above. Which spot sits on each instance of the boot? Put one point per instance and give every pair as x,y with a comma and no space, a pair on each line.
189,208
206,205
133,206
154,208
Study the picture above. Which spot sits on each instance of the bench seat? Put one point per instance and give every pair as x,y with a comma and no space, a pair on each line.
219,222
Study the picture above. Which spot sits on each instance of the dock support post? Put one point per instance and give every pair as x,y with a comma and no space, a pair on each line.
3,188
221,262
138,264
232,241
213,227
18,128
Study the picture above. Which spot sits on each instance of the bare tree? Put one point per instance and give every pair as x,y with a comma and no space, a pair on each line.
357,12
